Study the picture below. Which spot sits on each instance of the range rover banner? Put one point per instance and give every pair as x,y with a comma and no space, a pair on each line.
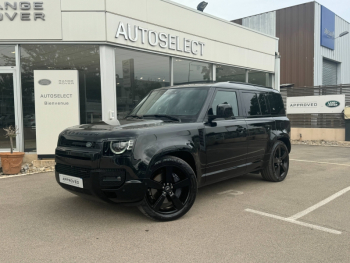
316,104
30,20
56,106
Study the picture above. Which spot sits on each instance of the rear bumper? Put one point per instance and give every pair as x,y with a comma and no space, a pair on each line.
102,177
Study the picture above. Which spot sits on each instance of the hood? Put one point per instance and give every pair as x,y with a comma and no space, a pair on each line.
103,131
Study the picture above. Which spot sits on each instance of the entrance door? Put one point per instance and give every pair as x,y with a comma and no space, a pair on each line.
7,107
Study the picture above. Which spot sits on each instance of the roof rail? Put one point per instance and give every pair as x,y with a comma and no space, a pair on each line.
250,84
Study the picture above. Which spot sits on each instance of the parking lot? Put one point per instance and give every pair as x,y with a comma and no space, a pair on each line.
303,219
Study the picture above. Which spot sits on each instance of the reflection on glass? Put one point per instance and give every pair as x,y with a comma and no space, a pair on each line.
137,73
84,58
184,104
7,108
7,55
225,73
260,78
187,71
225,97
250,100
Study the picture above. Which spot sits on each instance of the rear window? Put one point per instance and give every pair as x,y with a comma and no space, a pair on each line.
276,104
251,103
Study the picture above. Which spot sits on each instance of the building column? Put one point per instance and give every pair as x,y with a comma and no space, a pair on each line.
171,70
18,101
108,85
213,74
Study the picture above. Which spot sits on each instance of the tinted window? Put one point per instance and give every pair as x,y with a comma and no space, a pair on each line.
263,104
276,104
251,103
225,97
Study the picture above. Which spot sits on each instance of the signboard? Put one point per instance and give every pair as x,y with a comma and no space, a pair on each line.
327,28
30,20
316,104
56,106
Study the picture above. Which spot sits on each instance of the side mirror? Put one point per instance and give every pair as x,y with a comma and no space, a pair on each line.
224,111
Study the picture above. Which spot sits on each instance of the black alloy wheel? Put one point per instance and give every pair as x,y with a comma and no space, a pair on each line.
171,190
277,168
281,161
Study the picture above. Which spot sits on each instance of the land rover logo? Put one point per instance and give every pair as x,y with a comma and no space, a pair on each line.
88,144
332,103
44,82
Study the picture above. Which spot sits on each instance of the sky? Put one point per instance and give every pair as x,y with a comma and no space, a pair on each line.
233,9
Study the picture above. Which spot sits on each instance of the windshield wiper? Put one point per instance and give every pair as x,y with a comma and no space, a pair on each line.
134,116
164,116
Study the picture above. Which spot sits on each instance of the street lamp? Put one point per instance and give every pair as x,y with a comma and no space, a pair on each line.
202,5
343,34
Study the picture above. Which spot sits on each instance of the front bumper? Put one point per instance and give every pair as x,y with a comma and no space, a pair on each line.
104,178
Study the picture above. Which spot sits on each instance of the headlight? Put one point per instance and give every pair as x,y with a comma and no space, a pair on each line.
118,147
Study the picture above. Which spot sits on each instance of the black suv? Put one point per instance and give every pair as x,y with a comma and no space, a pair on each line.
177,140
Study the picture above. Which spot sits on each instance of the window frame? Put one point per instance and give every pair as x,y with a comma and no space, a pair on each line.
239,104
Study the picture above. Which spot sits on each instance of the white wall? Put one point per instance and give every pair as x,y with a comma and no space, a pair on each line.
340,54
225,42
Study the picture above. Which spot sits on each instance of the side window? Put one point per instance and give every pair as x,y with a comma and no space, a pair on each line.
276,104
251,103
225,97
265,110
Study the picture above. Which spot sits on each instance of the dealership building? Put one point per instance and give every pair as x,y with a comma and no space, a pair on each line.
121,50
314,46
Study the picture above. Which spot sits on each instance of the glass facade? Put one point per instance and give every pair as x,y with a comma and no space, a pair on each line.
7,56
187,71
84,58
225,73
7,108
260,78
137,73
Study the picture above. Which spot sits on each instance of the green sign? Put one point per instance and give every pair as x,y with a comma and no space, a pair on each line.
332,103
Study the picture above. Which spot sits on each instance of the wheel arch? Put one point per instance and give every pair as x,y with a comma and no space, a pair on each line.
184,154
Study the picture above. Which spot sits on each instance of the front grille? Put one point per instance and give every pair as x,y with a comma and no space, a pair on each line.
73,170
71,143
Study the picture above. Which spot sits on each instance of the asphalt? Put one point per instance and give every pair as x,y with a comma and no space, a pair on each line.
40,222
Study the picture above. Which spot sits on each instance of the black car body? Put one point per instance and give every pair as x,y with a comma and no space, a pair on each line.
229,135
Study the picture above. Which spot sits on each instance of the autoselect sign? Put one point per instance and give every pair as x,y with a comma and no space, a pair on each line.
316,104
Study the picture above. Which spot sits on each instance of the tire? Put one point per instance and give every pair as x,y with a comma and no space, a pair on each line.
171,190
276,169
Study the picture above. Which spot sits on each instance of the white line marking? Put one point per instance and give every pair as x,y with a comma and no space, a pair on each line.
323,202
328,230
319,162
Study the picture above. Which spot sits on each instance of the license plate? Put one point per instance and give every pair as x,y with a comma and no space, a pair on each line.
71,180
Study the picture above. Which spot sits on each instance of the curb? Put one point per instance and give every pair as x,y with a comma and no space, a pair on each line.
20,175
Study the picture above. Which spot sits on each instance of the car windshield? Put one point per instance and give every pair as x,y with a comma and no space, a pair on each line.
182,103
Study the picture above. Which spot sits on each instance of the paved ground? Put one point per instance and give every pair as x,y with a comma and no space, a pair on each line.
40,222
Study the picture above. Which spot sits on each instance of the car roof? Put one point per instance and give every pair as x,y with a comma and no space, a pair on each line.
229,84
